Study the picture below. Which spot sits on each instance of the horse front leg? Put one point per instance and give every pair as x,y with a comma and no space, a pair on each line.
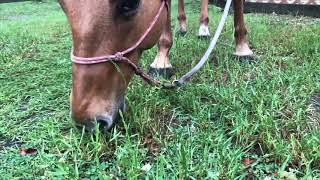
161,66
204,20
243,50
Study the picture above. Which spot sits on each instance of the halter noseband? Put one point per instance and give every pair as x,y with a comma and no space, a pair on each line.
119,56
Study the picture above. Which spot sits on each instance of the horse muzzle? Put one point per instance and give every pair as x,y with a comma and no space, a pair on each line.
104,121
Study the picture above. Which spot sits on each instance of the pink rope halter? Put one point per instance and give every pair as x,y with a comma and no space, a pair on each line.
119,56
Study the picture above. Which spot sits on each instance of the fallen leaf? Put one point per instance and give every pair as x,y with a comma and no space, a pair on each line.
152,145
247,161
29,151
275,174
146,168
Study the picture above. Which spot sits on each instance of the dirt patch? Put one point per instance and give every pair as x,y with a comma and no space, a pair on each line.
24,104
152,145
6,142
313,112
165,121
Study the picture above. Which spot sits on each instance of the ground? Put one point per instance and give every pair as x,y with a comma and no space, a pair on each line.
234,120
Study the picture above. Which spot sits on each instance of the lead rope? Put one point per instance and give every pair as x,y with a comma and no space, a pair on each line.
182,80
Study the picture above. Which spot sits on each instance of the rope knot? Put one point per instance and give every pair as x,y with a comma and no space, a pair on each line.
119,56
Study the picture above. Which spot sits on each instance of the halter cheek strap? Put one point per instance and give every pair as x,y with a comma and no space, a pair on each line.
119,56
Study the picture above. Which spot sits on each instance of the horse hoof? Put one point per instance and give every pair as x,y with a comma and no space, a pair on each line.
182,33
204,31
166,73
203,37
251,59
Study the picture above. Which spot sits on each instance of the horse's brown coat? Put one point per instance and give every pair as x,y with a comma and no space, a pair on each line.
98,29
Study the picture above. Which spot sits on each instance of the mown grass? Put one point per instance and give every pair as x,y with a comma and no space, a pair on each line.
229,112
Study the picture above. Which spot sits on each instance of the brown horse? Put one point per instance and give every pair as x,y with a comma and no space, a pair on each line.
161,64
105,27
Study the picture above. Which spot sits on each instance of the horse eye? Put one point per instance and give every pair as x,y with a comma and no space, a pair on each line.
128,7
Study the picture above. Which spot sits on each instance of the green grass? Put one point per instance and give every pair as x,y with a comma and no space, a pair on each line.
229,111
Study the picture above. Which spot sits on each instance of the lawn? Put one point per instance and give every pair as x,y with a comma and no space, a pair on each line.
234,120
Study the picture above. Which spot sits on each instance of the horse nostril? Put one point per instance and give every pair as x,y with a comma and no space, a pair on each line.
105,122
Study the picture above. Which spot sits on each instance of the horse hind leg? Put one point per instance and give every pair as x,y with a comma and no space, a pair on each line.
242,51
204,20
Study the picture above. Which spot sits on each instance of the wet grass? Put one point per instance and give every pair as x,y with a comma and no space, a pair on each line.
234,120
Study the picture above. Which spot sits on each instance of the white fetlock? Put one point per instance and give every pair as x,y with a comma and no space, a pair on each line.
204,30
161,62
183,27
243,50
